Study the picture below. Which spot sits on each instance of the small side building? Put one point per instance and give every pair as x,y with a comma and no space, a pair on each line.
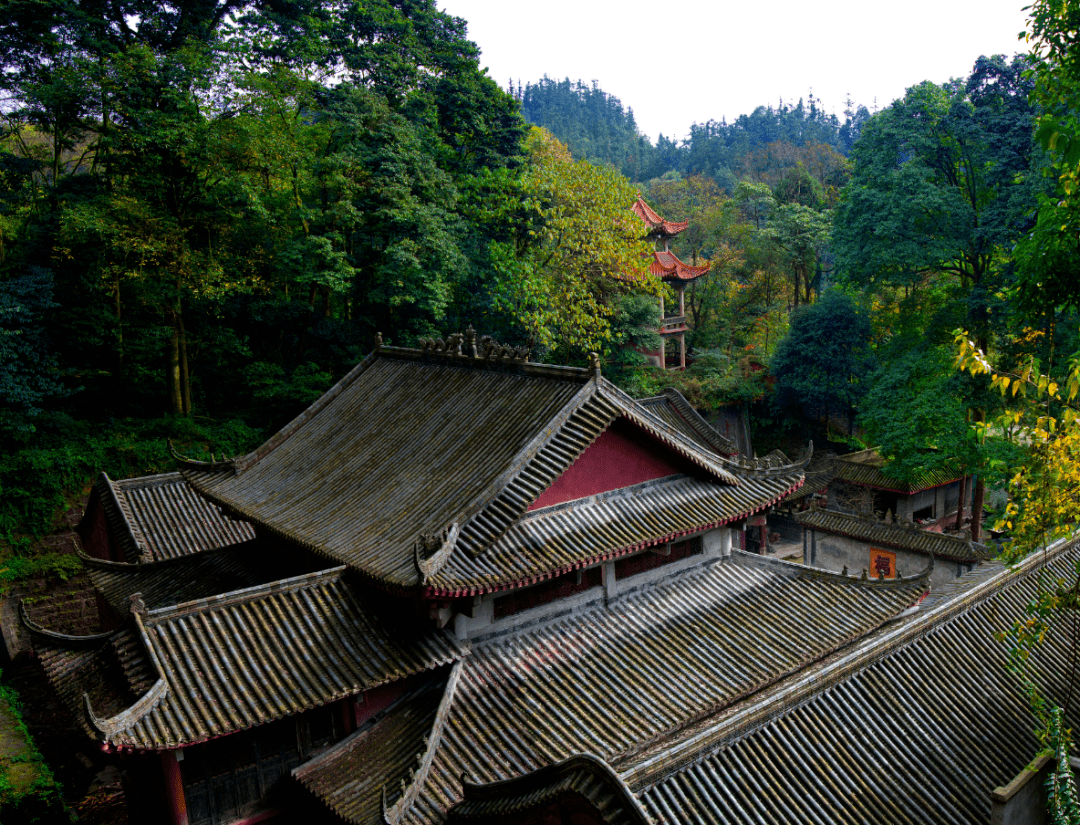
861,481
884,548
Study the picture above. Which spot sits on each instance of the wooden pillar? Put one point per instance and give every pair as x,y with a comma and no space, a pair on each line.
682,350
348,714
663,354
682,304
608,575
174,788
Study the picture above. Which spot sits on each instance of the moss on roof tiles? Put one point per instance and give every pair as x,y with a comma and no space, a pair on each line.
888,534
411,444
865,468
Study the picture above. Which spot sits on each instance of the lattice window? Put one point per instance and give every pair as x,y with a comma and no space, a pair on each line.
236,776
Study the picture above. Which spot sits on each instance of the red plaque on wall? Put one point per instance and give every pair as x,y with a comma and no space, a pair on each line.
882,563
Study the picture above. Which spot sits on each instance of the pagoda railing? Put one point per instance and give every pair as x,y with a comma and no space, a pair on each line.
673,323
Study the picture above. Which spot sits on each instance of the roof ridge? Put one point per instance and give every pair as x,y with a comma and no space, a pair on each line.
153,480
803,685
580,760
126,519
130,716
774,463
155,564
519,463
65,639
434,739
797,569
689,412
290,584
494,363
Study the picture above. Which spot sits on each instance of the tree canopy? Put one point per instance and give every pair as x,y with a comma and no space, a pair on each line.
821,365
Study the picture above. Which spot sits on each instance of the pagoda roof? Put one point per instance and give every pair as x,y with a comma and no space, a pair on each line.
612,679
419,467
901,536
657,225
865,469
667,267
184,673
159,517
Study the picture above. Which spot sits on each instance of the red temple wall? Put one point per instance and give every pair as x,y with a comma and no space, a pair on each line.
622,456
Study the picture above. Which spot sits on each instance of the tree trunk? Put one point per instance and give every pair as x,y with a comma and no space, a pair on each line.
119,331
977,499
960,504
302,343
185,377
979,495
175,398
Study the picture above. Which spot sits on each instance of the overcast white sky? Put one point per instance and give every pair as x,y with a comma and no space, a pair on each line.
678,63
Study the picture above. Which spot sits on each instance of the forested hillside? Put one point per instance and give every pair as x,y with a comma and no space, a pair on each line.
596,127
592,123
207,216
205,219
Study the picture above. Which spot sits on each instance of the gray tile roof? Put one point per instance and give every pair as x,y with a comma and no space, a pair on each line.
159,517
382,460
554,540
227,662
819,472
916,724
197,576
673,409
387,754
865,469
611,680
900,536
579,777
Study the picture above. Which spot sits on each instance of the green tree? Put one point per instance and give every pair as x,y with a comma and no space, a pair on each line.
309,161
29,371
938,180
801,233
1047,256
821,366
915,411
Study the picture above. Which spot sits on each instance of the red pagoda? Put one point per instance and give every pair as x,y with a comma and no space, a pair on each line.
673,271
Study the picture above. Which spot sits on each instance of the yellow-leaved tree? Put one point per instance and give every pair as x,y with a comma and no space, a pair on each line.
1042,419
582,252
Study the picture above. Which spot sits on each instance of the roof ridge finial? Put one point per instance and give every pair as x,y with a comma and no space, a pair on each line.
137,605
594,365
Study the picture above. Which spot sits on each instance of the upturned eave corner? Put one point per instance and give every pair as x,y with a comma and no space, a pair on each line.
225,465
